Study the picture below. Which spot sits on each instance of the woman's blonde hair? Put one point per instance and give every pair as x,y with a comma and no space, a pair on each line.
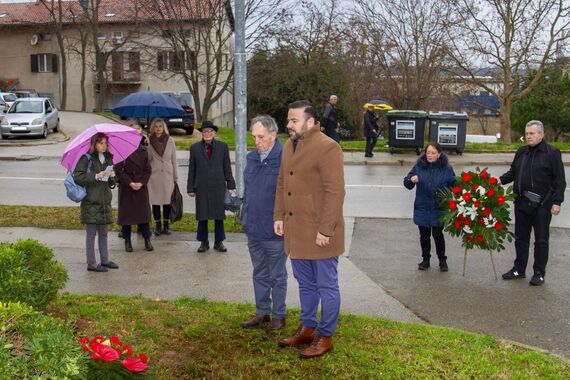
96,138
154,123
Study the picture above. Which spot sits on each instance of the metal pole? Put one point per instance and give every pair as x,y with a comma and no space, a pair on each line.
240,94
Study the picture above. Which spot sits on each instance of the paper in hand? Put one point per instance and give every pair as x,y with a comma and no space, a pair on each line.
108,171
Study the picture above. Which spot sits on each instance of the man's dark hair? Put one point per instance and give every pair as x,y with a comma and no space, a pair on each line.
307,107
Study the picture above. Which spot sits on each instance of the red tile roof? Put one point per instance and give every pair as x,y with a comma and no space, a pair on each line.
110,11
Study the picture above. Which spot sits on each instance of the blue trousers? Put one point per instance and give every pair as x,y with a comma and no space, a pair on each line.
269,276
219,233
318,282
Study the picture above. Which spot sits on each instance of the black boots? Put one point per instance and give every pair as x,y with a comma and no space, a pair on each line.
204,246
158,228
128,245
424,264
443,265
166,227
220,247
148,245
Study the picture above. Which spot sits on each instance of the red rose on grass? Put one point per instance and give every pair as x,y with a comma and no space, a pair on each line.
480,238
486,211
135,364
115,341
493,181
501,200
105,353
466,197
483,174
466,177
498,225
456,190
491,192
453,204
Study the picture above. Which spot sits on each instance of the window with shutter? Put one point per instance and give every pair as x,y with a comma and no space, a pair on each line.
161,60
34,62
54,63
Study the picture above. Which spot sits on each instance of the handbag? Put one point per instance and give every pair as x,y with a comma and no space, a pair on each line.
528,202
74,191
232,202
176,204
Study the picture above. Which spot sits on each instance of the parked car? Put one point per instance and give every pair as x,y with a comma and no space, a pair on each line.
26,93
184,121
8,98
30,117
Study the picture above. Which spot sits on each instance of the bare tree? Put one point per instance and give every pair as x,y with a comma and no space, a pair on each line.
79,45
511,38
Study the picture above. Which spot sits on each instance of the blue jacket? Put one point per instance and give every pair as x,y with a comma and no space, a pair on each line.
432,178
259,193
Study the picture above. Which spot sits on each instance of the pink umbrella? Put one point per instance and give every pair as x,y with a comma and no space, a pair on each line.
122,140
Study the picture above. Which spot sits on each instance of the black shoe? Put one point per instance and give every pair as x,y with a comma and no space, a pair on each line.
148,245
128,245
120,234
110,264
424,264
158,229
204,246
513,274
537,279
443,265
275,324
165,227
257,320
368,155
220,247
98,268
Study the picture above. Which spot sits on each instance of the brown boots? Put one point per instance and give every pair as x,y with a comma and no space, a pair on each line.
319,345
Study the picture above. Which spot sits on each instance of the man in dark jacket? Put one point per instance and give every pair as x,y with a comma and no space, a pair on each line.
209,174
330,119
539,183
370,131
265,247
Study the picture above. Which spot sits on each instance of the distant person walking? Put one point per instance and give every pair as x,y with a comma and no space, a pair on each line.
370,131
308,213
96,210
539,183
162,156
133,175
330,119
430,174
265,247
209,175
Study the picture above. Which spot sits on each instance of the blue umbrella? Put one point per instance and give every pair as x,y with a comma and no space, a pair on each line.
148,105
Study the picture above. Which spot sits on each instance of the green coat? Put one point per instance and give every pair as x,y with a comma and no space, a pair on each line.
96,206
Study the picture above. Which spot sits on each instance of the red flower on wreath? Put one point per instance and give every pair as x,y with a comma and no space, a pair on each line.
486,211
453,204
476,204
480,238
480,221
466,221
470,238
498,225
493,181
457,224
456,190
491,192
466,197
483,174
466,177
501,200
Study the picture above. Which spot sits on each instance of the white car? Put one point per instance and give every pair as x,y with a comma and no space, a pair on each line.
7,98
30,117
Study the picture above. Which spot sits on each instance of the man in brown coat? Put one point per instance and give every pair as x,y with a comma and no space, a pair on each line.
308,212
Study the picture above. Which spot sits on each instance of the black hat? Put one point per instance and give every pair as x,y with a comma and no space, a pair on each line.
207,124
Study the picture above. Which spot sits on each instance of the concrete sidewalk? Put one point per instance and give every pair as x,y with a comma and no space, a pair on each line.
175,269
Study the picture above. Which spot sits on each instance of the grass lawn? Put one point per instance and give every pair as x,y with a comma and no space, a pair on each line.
228,136
68,218
189,339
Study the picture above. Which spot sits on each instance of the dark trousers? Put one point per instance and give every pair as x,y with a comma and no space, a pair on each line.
143,228
370,144
539,220
332,133
425,242
219,233
165,212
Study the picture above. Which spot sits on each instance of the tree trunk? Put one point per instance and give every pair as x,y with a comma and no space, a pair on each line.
102,90
82,80
63,56
505,111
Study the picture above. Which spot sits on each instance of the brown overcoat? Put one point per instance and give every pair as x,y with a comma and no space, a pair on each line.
310,196
164,173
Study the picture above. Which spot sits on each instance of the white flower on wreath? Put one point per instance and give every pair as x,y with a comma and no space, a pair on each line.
489,221
481,190
466,211
467,229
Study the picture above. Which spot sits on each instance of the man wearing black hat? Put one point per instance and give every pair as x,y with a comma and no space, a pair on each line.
209,174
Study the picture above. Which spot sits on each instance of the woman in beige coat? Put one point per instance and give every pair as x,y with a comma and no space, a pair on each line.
162,155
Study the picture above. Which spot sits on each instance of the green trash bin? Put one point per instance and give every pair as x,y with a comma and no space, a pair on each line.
406,129
449,129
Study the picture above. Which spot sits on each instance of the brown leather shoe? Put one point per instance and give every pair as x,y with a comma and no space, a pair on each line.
257,320
320,346
275,324
303,335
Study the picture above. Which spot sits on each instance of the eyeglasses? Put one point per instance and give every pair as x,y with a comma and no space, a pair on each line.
208,131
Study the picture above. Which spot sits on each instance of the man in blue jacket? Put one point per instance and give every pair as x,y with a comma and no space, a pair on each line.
265,247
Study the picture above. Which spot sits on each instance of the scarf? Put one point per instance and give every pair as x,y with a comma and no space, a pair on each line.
159,143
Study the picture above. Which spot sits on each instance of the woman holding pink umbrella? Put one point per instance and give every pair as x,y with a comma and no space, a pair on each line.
94,172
